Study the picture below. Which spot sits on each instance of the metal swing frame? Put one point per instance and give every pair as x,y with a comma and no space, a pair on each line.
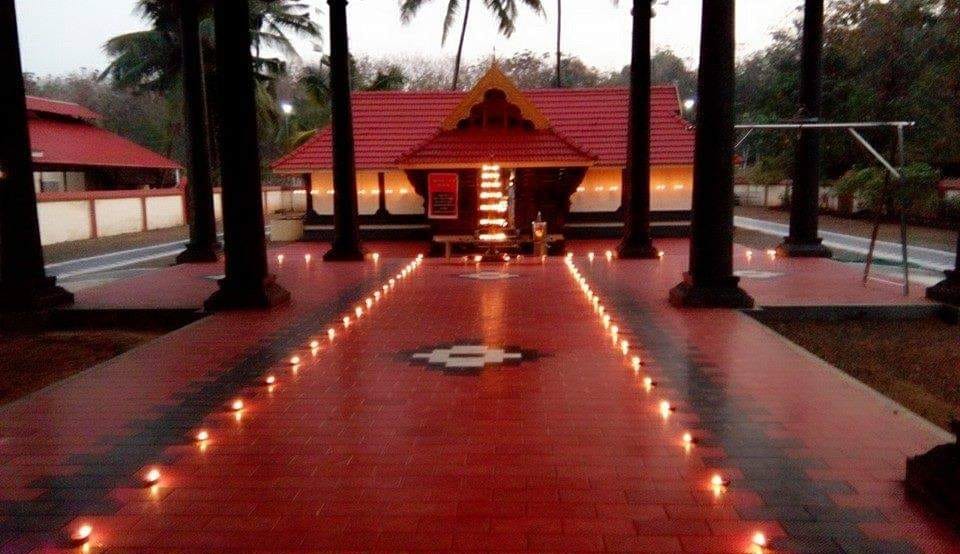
896,172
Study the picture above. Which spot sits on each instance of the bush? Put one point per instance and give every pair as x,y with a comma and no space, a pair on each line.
878,191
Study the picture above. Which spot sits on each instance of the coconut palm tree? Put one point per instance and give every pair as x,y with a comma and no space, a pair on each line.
150,60
505,12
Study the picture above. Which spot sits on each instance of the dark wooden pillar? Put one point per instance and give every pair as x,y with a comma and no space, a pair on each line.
382,195
310,216
710,281
637,242
948,290
24,284
346,220
805,195
203,245
246,284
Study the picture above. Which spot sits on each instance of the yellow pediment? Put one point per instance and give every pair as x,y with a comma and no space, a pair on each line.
494,78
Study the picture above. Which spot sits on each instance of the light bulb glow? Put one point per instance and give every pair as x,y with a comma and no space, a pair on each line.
636,362
590,256
375,256
295,360
759,539
718,481
624,347
237,405
270,379
307,258
358,311
609,255
368,302
202,435
346,321
314,344
493,237
280,259
331,333
648,383
687,438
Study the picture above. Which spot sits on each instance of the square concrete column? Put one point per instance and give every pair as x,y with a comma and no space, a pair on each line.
346,245
805,194
710,282
203,245
24,284
948,290
637,242
247,283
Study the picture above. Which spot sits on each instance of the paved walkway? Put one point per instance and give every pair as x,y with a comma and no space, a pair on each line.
467,411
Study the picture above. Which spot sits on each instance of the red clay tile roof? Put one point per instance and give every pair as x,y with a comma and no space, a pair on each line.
46,106
949,183
518,147
388,125
59,142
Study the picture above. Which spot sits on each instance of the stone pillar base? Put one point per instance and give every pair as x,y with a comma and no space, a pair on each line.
235,295
934,479
724,295
199,254
642,251
344,254
803,249
946,291
46,294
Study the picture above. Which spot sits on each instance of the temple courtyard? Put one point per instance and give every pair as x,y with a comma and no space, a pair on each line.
468,407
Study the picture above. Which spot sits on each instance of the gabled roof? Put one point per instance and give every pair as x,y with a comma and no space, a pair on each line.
389,125
45,106
495,79
472,148
62,134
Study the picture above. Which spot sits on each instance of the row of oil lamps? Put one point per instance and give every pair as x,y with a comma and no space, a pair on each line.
718,483
80,535
609,255
307,258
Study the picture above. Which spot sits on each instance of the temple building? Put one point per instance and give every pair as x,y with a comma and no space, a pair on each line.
424,158
71,153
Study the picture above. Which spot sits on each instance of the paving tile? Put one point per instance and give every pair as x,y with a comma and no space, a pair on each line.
363,447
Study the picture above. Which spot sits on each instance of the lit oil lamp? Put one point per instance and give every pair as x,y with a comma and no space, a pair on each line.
81,535
151,477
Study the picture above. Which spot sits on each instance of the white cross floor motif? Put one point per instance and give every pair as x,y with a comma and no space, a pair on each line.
468,357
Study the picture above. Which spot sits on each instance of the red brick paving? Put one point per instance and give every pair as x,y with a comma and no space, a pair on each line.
361,449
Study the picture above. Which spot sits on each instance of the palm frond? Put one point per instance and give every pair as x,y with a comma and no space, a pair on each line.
453,8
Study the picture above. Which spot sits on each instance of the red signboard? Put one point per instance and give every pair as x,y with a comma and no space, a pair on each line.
443,193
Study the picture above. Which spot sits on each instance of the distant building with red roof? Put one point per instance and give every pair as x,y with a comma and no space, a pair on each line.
563,149
72,153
